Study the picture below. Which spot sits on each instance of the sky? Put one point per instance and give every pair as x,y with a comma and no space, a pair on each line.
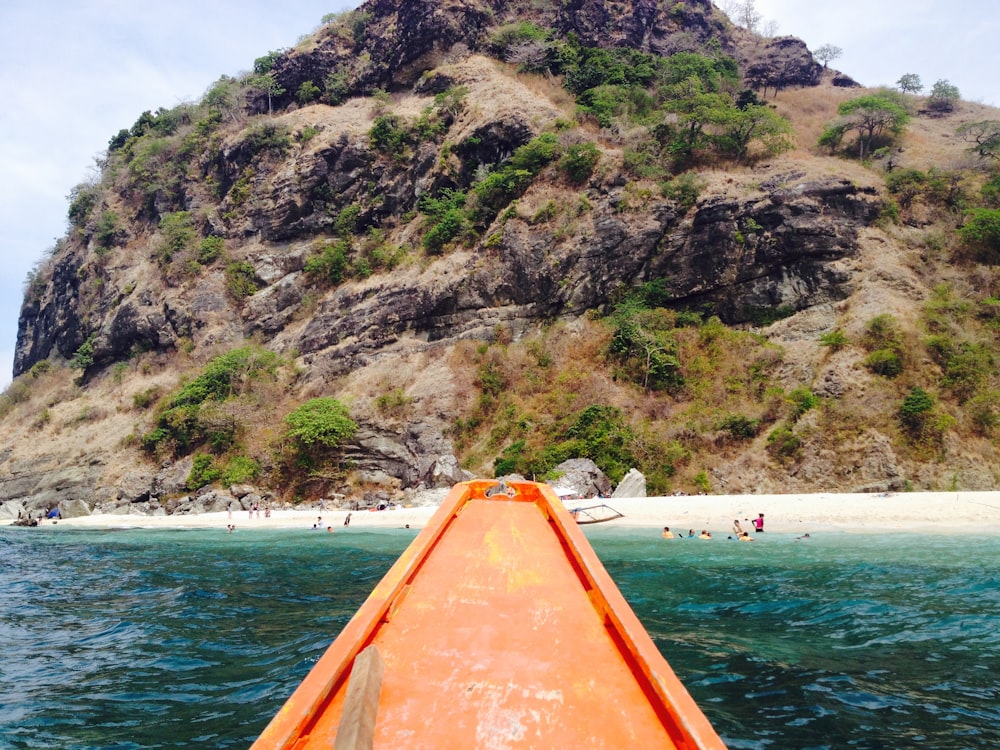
957,41
75,72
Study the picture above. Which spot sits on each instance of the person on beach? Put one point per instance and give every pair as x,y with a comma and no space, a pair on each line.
230,510
347,520
737,529
758,523
667,533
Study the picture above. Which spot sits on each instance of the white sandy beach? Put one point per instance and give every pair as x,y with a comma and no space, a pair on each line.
917,512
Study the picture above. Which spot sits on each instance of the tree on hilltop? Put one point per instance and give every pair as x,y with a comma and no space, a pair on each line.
742,12
827,53
268,85
944,95
909,83
871,116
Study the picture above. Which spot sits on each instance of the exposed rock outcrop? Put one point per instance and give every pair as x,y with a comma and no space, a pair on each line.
399,41
583,476
732,256
633,484
777,250
10,510
47,481
780,63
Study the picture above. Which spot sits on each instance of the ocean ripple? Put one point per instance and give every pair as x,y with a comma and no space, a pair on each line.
156,639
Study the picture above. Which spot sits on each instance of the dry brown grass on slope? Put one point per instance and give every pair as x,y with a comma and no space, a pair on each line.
809,110
549,378
62,424
933,141
929,141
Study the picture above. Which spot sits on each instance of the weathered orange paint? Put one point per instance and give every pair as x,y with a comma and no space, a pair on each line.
500,629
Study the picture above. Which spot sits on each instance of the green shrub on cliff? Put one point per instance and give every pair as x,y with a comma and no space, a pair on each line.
317,429
202,472
446,218
598,432
330,264
981,233
389,135
323,422
579,161
643,347
177,234
884,362
207,469
191,418
512,178
915,410
241,282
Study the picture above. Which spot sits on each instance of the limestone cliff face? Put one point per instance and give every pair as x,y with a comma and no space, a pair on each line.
780,249
276,190
732,256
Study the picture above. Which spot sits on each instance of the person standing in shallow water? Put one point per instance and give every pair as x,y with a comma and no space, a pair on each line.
758,523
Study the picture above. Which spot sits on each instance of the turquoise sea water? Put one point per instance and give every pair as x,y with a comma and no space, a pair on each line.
183,639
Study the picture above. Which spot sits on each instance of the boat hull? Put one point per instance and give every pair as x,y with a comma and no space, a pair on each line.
499,628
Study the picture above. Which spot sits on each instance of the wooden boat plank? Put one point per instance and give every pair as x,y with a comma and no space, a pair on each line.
356,730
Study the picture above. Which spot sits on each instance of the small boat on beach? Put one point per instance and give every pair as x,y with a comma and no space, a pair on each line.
498,627
594,514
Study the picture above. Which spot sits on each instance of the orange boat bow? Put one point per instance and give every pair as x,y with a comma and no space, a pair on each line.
499,628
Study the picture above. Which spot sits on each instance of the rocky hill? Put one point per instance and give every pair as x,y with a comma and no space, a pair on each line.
501,235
